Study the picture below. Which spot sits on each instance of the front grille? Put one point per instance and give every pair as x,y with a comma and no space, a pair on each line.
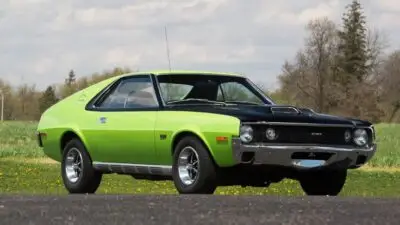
304,135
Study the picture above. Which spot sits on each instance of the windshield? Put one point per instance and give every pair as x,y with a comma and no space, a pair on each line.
209,89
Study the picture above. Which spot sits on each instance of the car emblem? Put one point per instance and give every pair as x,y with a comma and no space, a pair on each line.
103,120
311,155
316,134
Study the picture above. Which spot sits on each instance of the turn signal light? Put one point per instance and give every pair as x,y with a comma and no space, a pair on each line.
221,138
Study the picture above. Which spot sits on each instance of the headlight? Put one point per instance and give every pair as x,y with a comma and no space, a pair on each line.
246,134
360,137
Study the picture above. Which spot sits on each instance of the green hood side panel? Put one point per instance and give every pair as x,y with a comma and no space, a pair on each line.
206,126
67,115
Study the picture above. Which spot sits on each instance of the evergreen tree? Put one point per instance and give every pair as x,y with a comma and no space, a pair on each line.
70,85
71,78
353,45
47,99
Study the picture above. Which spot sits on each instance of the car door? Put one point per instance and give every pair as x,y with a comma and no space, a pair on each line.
126,114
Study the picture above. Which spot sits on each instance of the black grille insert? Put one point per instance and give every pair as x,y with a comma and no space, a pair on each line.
305,134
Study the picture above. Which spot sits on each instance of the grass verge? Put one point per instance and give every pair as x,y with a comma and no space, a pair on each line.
41,178
388,140
17,139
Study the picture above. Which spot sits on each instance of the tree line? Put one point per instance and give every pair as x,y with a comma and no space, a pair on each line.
25,102
342,69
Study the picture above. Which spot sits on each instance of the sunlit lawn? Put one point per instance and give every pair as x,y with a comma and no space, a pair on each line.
39,178
25,169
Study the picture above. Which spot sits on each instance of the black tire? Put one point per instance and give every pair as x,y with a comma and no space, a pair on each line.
206,180
89,179
328,183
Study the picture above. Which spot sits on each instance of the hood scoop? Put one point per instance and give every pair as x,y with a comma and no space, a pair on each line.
284,110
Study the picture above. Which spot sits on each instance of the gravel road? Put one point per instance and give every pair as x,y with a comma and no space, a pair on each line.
199,209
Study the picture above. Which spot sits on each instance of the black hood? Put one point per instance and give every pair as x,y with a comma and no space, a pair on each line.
270,113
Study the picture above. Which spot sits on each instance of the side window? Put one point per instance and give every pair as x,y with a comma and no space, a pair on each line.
134,92
234,91
172,91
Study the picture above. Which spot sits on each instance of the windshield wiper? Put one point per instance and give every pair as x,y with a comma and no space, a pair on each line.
196,100
243,102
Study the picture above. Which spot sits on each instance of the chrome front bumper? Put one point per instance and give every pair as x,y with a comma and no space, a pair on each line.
301,156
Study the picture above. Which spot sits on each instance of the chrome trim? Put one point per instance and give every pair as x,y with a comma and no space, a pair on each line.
284,107
306,148
282,154
298,124
373,137
308,124
188,165
73,165
129,168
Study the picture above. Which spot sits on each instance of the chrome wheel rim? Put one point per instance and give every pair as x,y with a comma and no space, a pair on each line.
73,165
188,165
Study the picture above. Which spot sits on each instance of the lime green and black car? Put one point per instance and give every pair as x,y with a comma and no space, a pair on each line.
201,130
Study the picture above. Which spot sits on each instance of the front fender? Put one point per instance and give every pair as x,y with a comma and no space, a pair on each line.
221,151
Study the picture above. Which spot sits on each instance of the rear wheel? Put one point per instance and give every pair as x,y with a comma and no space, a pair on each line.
77,171
329,182
193,170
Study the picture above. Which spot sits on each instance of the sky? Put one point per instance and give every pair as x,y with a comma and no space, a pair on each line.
42,40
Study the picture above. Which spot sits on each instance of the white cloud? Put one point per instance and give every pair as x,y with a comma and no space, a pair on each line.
120,56
325,9
42,40
388,5
43,65
24,4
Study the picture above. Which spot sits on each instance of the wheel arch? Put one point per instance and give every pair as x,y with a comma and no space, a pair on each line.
184,133
69,135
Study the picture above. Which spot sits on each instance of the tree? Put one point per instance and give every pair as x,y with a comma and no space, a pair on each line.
25,107
47,99
73,84
390,76
70,86
71,78
9,99
353,45
358,57
307,80
26,103
377,42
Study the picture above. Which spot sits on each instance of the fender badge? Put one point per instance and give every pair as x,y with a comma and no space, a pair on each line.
103,120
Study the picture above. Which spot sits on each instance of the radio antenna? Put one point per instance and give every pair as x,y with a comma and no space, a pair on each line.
167,47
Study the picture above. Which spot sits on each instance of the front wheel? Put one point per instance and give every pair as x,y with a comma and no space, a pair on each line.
76,169
323,182
193,170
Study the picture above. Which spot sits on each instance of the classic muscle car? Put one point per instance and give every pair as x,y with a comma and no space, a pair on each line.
201,130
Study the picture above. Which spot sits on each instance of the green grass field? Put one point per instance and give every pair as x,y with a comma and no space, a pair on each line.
33,178
17,139
23,169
